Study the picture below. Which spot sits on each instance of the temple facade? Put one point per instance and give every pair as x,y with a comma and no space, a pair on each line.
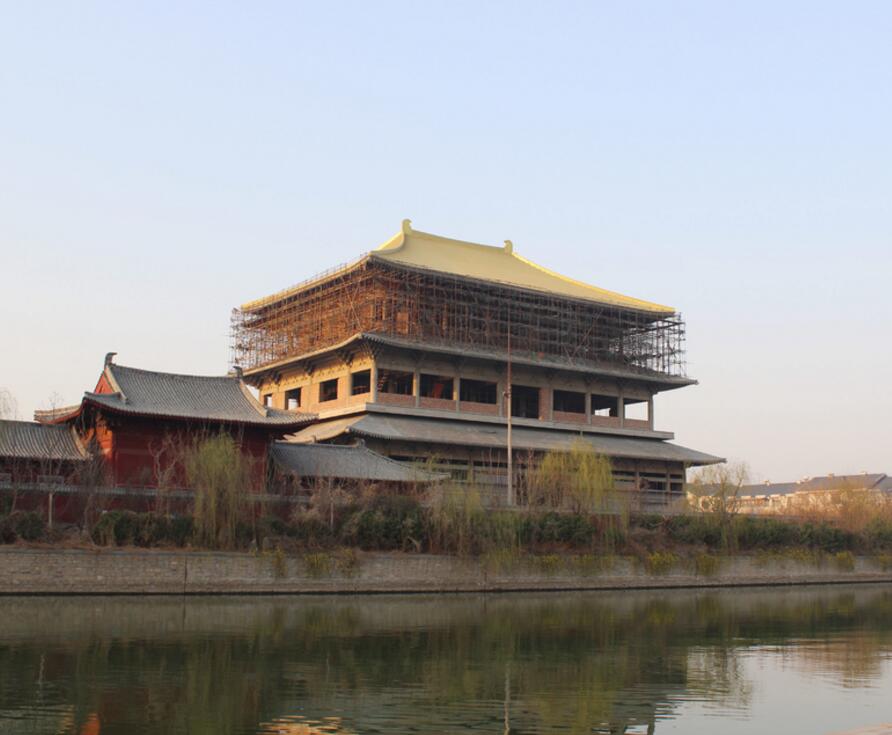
427,347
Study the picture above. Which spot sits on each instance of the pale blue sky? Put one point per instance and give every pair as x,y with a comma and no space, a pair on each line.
161,163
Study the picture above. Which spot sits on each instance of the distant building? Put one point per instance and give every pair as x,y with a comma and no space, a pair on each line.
809,493
409,347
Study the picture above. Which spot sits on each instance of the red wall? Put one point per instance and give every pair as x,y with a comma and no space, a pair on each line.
132,445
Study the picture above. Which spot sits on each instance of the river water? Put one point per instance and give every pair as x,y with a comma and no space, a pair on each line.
799,660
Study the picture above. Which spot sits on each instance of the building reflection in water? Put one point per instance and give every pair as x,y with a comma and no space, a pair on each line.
577,662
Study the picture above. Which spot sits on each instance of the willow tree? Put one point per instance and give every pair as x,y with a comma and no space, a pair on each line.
578,479
220,475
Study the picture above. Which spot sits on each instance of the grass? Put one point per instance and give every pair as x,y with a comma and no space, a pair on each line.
660,562
707,565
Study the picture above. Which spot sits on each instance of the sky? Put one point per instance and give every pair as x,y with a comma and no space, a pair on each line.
161,163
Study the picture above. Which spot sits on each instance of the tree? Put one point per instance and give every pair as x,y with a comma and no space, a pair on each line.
579,479
221,477
716,490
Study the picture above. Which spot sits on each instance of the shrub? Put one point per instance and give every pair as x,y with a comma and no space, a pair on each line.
271,526
117,528
695,529
317,565
648,521
878,534
25,525
310,531
181,528
845,561
391,522
346,562
827,538
763,533
660,562
280,564
153,530
7,531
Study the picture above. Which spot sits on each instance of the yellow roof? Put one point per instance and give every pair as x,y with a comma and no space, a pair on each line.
487,263
418,249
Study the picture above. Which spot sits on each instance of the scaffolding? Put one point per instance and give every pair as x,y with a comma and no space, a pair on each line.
374,296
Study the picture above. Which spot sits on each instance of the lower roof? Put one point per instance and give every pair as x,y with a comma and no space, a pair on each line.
446,431
33,441
353,462
217,399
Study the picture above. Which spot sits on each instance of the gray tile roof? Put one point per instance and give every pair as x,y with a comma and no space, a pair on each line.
356,462
30,440
446,431
205,398
667,382
864,481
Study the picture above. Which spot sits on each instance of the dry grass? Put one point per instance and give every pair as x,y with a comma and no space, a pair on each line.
852,509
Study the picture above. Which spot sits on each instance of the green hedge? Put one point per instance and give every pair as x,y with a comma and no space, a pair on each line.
24,525
126,528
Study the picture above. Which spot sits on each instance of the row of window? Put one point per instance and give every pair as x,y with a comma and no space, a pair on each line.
525,400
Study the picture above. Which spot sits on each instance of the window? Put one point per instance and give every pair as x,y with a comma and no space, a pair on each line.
361,382
328,390
569,401
437,386
292,399
524,401
268,399
395,381
478,391
604,405
635,409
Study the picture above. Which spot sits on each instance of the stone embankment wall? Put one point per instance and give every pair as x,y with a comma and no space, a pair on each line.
58,571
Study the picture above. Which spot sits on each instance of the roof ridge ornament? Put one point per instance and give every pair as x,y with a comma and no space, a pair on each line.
110,358
406,226
509,247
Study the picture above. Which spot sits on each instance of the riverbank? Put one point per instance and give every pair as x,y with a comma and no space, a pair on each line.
37,571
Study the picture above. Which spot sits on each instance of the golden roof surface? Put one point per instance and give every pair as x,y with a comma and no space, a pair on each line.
500,264
415,249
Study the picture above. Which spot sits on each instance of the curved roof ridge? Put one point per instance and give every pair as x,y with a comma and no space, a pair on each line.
188,376
484,262
217,398
648,305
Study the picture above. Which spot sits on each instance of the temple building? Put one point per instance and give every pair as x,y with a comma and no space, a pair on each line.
137,420
410,348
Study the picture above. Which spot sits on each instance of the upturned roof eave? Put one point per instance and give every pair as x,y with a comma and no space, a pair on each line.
670,381
97,402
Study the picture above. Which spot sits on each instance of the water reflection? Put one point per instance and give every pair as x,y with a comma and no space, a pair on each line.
573,663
